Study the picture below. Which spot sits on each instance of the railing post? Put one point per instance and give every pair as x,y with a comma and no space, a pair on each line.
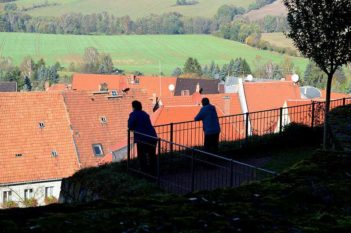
247,126
343,101
171,138
158,161
312,114
281,120
192,172
128,150
231,173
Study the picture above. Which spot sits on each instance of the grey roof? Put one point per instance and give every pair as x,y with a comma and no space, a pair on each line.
8,86
310,92
230,81
209,86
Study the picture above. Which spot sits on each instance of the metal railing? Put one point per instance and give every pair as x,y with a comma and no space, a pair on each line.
181,169
242,129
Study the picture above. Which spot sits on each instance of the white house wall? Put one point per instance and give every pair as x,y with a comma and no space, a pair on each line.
38,191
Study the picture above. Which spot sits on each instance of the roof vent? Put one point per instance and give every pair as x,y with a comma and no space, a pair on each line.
18,155
54,153
103,120
41,125
114,93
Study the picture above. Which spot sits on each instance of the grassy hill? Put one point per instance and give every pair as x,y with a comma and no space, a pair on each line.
205,8
277,8
278,39
146,53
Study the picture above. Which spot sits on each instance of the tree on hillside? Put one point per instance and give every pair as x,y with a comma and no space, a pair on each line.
321,30
192,66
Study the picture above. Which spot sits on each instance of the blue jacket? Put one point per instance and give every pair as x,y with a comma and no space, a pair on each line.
208,116
139,121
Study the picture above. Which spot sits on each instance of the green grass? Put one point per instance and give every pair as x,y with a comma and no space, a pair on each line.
283,159
146,53
278,39
133,8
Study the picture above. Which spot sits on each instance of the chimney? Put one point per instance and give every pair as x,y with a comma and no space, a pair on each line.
197,88
226,105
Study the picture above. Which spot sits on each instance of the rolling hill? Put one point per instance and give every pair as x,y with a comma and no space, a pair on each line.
133,8
145,53
278,39
276,8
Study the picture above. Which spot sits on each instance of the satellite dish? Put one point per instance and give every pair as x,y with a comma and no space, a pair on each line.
171,87
249,78
295,78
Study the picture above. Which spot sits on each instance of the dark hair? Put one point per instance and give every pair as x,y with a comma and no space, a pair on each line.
205,101
137,105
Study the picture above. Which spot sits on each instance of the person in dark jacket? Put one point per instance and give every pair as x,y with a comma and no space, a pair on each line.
208,116
144,136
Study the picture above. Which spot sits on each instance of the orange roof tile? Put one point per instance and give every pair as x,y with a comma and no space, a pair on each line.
85,110
264,96
91,82
20,134
335,95
59,87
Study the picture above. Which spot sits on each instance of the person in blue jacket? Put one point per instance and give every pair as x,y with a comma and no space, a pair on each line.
208,116
144,136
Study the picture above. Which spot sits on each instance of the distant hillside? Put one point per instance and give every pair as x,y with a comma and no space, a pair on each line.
277,8
133,8
278,39
145,53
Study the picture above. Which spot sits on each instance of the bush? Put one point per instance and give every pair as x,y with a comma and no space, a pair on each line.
10,204
50,200
31,202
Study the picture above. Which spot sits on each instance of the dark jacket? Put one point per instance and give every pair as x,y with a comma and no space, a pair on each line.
139,121
208,116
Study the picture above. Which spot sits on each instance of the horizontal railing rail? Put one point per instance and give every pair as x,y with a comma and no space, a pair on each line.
184,169
242,128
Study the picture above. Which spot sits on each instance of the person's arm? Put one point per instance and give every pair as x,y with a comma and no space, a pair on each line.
200,115
131,121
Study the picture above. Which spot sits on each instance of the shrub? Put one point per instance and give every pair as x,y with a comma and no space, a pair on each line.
50,200
10,204
31,202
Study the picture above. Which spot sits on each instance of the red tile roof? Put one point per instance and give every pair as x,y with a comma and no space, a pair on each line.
335,95
184,108
20,134
263,96
85,110
91,82
269,95
58,87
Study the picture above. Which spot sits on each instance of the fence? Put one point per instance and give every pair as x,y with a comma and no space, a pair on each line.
242,128
181,169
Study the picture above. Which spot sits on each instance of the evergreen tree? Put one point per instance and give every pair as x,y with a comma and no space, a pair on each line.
177,71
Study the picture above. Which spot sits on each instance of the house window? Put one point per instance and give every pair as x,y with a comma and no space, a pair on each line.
7,196
103,120
97,148
41,125
54,153
185,92
49,191
28,194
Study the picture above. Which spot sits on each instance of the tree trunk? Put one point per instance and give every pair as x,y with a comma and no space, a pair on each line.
326,111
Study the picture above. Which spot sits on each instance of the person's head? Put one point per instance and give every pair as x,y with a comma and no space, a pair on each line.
205,101
136,105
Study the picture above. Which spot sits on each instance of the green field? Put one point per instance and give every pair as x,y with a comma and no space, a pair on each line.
146,53
205,8
278,39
